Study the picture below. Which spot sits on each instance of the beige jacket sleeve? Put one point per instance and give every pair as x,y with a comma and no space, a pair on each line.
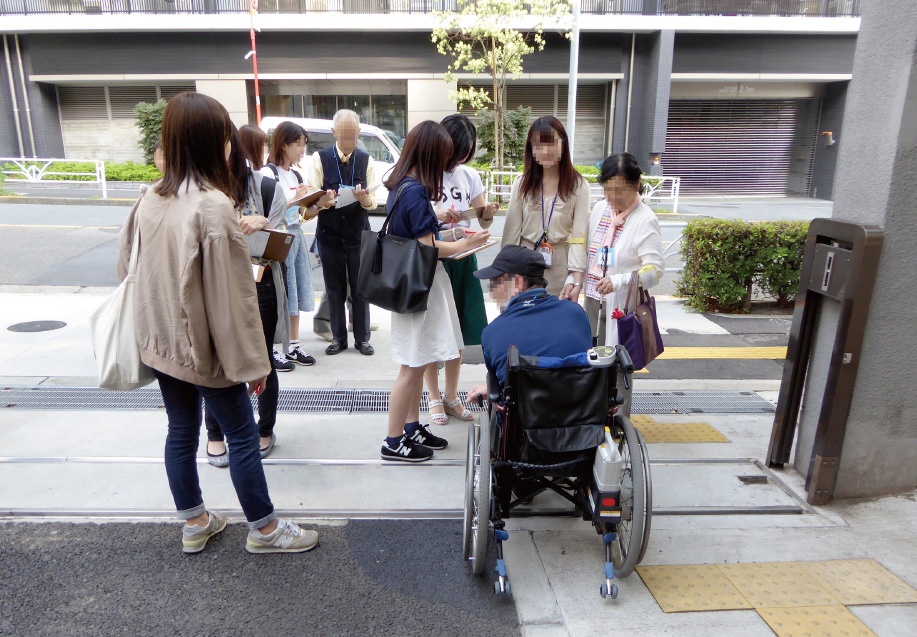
230,298
577,256
512,228
126,240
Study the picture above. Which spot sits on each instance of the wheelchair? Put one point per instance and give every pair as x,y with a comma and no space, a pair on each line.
560,425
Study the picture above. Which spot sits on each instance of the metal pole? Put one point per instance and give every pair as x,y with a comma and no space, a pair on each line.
9,71
630,93
574,68
252,9
25,97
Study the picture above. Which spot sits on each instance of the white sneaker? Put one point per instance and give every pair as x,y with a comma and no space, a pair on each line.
286,538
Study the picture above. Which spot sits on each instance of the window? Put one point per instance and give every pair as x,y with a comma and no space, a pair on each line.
374,146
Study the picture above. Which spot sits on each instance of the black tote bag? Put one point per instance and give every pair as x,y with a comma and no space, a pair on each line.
395,273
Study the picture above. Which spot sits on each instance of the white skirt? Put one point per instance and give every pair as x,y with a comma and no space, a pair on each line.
430,336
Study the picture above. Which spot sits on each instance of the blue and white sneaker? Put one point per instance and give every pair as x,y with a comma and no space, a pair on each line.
406,451
423,436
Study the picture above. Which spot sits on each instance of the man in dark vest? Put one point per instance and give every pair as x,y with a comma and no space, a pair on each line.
340,168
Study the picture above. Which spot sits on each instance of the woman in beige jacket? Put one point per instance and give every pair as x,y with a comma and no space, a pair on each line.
198,325
549,208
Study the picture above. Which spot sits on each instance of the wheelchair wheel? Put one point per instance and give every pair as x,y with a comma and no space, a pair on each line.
629,542
469,491
648,499
480,519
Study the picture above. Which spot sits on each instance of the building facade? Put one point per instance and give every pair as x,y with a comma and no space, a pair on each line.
732,96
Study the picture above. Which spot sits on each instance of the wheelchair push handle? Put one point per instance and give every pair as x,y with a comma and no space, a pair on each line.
627,365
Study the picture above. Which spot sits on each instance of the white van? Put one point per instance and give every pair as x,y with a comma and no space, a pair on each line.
384,146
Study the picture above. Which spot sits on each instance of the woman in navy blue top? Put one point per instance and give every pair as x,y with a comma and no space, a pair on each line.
422,338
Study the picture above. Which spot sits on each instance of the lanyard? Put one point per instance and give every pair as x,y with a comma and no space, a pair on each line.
544,226
337,162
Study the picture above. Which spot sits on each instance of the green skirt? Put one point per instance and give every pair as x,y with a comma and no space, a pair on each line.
469,297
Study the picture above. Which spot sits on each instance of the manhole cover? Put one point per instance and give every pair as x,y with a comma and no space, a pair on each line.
37,326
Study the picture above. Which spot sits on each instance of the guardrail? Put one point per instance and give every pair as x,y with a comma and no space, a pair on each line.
33,171
820,8
658,190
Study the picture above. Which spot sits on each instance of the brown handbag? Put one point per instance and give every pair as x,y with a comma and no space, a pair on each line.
638,329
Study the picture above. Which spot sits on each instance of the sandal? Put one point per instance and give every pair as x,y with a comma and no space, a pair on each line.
452,408
438,418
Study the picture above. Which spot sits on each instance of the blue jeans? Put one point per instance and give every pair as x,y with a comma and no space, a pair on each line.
233,411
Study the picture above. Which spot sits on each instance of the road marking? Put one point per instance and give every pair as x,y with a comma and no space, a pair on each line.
696,353
25,225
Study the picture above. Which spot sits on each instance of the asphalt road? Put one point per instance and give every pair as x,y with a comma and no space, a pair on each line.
368,577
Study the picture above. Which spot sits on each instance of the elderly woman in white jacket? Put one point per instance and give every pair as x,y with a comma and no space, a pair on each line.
624,237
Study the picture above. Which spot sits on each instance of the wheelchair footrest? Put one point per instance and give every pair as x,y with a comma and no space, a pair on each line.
609,570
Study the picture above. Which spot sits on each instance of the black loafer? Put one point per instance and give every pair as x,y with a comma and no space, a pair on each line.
336,347
365,348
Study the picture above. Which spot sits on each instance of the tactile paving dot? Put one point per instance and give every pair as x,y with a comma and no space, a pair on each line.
691,587
777,585
679,432
860,582
814,621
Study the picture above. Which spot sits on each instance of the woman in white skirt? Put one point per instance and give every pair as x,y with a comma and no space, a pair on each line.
422,338
624,238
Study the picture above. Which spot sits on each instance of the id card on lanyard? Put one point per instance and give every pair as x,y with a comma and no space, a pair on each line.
547,252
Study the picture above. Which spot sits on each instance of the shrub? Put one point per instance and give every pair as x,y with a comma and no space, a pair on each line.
724,258
149,121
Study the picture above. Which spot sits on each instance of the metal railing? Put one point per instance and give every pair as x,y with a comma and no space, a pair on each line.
657,190
44,171
823,8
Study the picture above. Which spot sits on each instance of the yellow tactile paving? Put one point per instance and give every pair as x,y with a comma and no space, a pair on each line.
673,353
860,582
814,621
777,585
680,432
654,431
692,587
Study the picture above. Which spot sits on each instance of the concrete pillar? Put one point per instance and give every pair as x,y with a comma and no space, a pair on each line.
230,93
429,99
877,184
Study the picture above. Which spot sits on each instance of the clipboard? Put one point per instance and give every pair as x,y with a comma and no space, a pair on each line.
309,200
466,253
269,244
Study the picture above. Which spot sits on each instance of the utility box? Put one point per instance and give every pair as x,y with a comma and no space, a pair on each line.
835,291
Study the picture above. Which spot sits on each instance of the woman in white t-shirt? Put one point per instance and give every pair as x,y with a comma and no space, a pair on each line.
288,145
463,190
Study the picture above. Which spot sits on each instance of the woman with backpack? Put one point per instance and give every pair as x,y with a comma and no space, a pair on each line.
259,204
288,145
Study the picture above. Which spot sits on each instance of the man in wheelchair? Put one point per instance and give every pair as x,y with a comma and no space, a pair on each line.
553,424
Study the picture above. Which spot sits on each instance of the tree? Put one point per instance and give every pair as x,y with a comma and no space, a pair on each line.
149,121
492,37
515,128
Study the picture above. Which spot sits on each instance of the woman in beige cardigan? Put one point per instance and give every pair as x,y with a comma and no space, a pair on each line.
549,208
623,232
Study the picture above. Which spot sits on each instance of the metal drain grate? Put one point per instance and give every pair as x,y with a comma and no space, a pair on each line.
348,401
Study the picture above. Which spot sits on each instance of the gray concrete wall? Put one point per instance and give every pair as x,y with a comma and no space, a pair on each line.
877,184
832,118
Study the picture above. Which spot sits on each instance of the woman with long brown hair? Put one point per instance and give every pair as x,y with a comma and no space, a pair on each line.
549,208
422,338
197,321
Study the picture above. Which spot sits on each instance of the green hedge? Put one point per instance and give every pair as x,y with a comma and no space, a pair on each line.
127,171
723,259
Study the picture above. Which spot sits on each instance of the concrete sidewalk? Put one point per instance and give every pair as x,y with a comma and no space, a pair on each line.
100,465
